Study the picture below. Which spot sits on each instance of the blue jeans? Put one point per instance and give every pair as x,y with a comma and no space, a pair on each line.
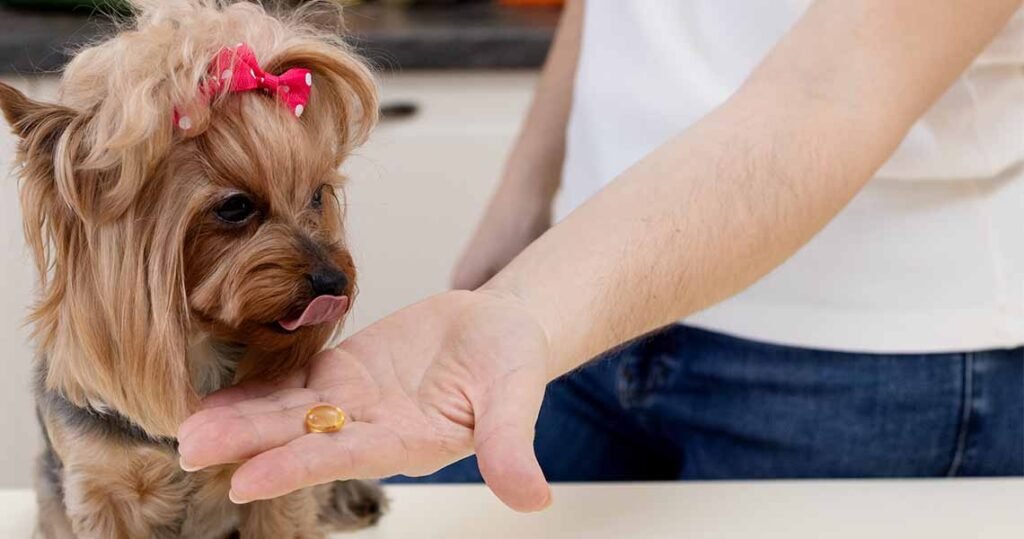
691,404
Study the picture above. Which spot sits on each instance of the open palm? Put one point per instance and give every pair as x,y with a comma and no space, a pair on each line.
459,373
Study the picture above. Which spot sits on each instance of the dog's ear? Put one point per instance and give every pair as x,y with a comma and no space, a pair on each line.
33,121
40,128
17,108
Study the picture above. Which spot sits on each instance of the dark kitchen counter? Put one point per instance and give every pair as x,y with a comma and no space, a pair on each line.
475,36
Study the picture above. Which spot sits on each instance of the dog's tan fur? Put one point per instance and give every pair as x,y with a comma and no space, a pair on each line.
148,302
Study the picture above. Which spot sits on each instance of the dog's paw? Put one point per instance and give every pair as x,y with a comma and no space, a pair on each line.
351,505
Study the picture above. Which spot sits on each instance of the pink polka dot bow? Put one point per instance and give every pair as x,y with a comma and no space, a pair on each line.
238,68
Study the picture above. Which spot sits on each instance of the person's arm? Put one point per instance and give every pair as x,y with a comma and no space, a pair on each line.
535,162
520,208
699,219
722,204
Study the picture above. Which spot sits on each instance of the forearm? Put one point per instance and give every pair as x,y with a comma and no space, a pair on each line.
691,224
719,206
534,164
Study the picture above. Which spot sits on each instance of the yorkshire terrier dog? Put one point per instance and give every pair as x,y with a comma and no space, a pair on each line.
184,208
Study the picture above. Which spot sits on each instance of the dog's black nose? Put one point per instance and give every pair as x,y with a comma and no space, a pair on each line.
327,282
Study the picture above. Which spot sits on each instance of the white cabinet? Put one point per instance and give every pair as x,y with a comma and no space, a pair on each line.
417,189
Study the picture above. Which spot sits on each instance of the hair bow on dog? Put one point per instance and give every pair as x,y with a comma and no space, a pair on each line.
238,68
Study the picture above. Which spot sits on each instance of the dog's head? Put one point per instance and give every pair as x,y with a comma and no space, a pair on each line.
149,231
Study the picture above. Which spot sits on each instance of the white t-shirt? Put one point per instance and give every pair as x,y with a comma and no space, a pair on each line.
928,257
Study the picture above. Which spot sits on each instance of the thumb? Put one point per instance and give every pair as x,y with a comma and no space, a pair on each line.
503,441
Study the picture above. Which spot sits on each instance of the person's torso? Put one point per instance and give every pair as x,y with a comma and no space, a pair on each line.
930,256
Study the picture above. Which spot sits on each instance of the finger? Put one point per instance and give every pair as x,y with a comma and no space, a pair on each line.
238,431
359,451
504,441
242,428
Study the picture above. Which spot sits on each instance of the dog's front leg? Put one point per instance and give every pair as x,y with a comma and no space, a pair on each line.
116,492
293,516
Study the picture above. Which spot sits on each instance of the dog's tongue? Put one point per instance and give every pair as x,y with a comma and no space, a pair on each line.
321,310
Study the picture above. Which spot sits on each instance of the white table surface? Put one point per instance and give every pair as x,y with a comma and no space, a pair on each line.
954,509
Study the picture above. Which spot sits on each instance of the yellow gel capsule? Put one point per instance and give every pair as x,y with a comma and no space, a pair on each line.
325,418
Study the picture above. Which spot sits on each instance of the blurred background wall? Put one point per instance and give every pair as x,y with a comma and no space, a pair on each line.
459,76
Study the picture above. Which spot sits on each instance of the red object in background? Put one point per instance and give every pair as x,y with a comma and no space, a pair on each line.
552,3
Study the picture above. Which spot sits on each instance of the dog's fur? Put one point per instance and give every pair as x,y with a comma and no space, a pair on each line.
148,300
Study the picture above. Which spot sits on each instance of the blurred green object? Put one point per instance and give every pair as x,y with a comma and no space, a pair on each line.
104,5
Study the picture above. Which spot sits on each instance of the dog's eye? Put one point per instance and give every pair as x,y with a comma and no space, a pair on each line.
235,209
318,198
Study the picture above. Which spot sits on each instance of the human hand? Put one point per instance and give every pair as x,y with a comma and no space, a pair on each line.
461,372
513,220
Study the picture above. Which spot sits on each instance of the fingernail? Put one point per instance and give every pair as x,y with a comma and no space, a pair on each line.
235,499
188,467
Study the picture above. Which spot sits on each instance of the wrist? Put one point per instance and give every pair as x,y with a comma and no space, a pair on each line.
523,190
505,288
